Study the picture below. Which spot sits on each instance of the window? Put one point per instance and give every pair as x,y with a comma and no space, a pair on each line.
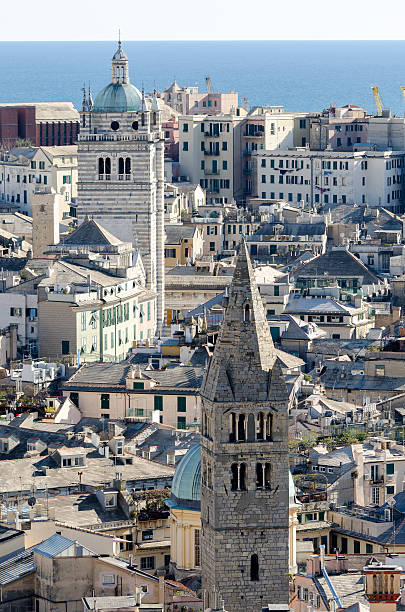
147,563
356,547
83,321
303,124
181,422
224,165
147,534
139,385
181,404
197,548
185,127
380,371
67,180
65,347
369,549
390,467
185,146
158,402
390,490
105,401
375,495
254,567
224,146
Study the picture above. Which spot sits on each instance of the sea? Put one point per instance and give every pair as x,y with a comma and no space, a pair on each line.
299,75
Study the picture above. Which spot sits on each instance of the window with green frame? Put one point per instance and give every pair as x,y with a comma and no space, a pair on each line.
139,412
181,404
158,402
390,468
105,401
181,422
148,311
139,385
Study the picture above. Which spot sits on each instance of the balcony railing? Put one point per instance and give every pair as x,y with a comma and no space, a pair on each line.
215,152
209,171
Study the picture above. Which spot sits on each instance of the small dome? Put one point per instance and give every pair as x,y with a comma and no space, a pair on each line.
118,98
186,486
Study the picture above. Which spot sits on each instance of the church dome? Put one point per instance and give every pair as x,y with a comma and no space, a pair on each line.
118,98
186,486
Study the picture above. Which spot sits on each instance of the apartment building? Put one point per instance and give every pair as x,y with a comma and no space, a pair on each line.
23,170
208,154
120,391
324,178
189,101
264,129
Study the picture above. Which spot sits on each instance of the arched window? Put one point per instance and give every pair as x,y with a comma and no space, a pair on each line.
260,426
117,73
209,476
242,477
135,125
267,476
254,567
107,165
127,165
269,427
259,476
100,165
246,313
154,119
251,428
234,476
241,428
232,432
263,476
143,119
121,165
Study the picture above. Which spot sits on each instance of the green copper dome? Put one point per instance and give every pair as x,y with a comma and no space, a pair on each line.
186,486
118,98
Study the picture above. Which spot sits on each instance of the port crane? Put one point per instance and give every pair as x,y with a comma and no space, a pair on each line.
377,100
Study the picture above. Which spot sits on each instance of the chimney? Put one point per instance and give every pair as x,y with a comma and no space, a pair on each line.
161,575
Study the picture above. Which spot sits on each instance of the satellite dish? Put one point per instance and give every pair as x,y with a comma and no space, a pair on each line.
32,501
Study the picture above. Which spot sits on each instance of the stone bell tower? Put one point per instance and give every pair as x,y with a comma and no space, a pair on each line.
244,457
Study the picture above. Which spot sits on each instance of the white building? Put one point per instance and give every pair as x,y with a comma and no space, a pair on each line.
326,177
121,174
23,170
208,152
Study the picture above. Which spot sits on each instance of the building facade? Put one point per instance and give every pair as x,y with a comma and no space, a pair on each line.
323,178
244,458
25,170
121,173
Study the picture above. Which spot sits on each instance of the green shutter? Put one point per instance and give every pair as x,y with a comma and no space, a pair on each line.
139,385
181,404
181,422
158,402
105,401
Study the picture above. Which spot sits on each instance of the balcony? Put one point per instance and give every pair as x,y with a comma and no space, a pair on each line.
255,135
248,152
211,135
209,171
216,152
247,170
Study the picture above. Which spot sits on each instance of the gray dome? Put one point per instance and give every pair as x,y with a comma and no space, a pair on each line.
186,486
118,98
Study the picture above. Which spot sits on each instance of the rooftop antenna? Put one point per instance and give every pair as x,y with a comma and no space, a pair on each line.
119,38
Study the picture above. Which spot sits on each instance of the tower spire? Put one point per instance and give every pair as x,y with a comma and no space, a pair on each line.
85,106
244,355
120,74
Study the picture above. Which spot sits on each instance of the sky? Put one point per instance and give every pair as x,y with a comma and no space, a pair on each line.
189,20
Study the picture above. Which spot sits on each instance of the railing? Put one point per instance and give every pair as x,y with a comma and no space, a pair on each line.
211,135
208,171
216,152
110,137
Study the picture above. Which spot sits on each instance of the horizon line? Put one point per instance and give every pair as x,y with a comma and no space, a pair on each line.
209,40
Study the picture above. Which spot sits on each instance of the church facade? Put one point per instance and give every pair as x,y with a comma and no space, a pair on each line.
244,458
121,170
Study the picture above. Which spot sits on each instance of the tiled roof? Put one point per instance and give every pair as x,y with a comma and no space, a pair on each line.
176,233
337,262
91,233
53,546
15,567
